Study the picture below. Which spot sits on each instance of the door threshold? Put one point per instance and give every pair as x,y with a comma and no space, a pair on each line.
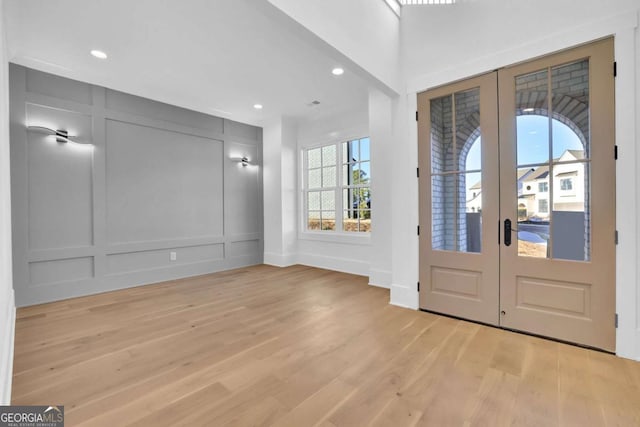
517,331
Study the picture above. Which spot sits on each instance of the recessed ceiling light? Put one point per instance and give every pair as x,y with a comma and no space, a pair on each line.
257,106
528,110
337,71
99,54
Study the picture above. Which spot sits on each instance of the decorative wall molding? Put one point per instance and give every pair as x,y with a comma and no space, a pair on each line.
155,196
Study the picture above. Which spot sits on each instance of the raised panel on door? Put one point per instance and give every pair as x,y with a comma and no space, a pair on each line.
557,181
458,157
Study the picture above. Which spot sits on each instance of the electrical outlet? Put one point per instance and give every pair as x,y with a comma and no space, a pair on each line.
173,256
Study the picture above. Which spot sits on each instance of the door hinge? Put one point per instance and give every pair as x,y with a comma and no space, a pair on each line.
418,172
615,69
615,152
418,230
418,286
616,313
616,237
416,116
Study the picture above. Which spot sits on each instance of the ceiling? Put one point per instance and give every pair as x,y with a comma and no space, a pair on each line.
215,56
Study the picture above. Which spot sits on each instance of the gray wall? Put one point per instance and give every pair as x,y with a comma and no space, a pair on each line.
159,179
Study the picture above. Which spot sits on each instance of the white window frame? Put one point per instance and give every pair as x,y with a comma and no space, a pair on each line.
338,235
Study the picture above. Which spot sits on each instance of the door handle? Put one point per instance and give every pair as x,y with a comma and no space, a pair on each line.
507,232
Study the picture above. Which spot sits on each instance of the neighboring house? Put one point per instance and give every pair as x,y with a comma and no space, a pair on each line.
568,188
474,193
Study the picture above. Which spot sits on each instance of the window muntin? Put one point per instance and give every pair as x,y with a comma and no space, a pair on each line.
337,187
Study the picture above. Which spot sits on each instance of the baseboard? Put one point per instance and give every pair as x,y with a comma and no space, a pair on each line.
351,266
279,260
6,347
114,282
380,278
404,296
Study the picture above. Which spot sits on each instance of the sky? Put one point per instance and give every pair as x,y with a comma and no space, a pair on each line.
533,143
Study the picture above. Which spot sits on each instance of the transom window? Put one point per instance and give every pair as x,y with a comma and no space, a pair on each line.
337,187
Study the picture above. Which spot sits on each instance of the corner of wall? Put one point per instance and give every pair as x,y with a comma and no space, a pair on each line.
279,260
403,296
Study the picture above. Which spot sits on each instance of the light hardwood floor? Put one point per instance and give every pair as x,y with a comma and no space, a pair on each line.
300,346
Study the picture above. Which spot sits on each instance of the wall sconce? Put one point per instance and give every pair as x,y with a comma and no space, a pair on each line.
62,136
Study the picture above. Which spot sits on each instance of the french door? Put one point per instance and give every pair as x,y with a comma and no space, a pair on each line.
517,197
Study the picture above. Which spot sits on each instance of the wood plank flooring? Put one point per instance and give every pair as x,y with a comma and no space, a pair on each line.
301,346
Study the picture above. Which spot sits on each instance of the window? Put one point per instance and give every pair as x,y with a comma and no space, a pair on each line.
566,184
337,187
543,187
543,206
356,190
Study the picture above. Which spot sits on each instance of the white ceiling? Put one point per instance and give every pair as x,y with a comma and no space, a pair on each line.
215,56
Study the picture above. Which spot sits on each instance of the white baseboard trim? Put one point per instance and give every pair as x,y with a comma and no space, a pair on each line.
626,338
404,296
7,347
279,260
380,278
350,266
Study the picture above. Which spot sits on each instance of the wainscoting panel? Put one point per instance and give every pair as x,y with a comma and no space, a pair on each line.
161,184
154,192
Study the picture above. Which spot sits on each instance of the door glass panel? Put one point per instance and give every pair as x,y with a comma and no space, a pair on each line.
570,213
474,155
533,211
442,149
553,202
443,207
570,99
532,124
467,121
471,224
456,172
